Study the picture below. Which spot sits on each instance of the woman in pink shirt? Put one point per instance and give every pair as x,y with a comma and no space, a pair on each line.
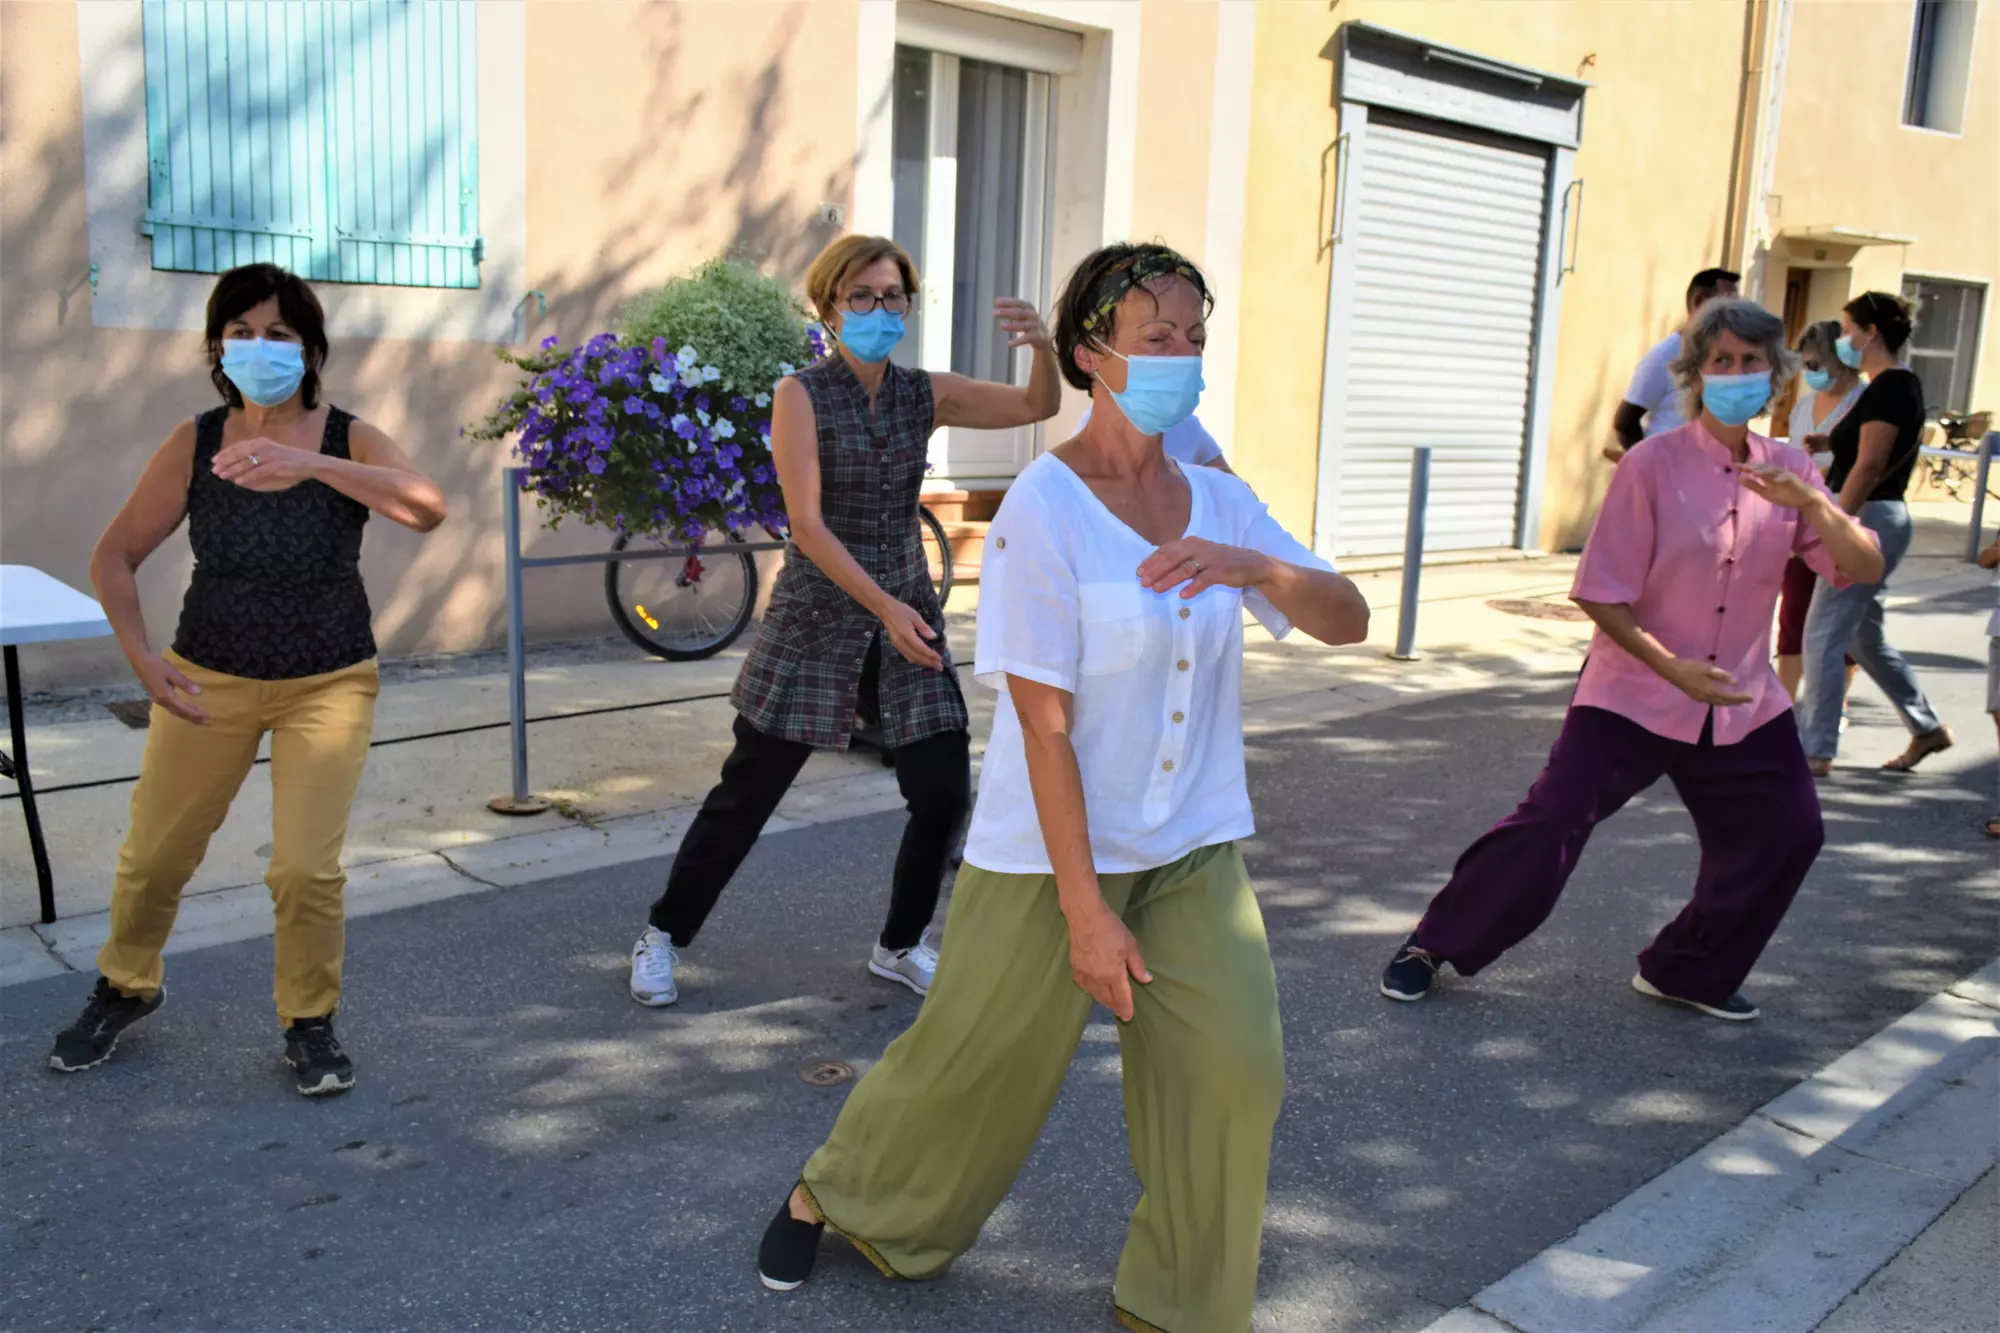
1681,574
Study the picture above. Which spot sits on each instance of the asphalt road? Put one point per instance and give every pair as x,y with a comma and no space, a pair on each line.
528,1150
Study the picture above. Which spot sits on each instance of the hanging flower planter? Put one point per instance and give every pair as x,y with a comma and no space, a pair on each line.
662,428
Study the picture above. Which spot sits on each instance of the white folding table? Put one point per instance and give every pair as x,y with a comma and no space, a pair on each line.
35,608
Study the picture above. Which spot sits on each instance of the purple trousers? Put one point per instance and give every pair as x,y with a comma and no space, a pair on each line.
1755,811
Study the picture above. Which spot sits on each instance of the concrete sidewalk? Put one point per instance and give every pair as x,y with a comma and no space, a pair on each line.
617,737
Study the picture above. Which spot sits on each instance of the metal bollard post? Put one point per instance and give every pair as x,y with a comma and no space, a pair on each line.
520,802
1976,531
1413,554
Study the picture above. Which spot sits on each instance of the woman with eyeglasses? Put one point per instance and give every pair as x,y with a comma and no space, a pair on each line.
854,623
1832,386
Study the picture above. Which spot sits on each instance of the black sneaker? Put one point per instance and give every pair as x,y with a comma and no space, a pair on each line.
785,1257
1736,1009
91,1039
1410,973
315,1056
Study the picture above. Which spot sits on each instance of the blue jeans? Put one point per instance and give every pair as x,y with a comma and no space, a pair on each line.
1848,622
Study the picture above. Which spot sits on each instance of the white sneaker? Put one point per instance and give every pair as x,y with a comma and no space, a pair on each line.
653,960
912,967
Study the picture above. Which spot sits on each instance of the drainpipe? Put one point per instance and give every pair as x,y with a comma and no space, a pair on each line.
1764,178
1735,217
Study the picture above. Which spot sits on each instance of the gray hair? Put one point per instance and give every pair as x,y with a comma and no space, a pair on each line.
1818,342
1748,321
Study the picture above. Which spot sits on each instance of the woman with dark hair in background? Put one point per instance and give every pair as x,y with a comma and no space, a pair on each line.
274,638
854,624
1874,452
1102,863
1831,388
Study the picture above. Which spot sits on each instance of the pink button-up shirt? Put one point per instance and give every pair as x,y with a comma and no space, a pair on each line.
1700,561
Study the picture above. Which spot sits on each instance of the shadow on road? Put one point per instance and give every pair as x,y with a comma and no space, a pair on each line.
530,1151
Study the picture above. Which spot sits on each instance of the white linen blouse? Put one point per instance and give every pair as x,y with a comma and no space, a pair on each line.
1156,679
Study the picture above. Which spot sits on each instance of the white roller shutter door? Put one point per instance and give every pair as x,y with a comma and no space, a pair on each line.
1447,236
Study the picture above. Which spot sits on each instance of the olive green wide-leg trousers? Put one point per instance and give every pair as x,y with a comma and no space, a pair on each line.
932,1137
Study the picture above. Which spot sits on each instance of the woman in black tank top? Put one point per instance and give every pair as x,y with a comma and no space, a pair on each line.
274,639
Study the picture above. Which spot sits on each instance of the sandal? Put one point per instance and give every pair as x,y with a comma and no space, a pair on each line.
1920,748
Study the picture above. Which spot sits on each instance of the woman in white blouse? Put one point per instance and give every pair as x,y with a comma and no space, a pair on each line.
1831,386
1101,864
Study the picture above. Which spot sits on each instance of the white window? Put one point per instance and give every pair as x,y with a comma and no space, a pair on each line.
1940,64
1944,349
972,141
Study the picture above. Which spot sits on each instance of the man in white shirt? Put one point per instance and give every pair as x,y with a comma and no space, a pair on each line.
1189,442
1652,403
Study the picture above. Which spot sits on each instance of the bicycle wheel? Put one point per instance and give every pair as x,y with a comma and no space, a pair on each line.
683,607
937,552
1958,478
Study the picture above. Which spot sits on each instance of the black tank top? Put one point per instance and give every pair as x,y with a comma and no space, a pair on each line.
277,590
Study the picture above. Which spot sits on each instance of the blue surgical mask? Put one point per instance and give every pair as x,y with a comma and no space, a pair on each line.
1849,354
1160,391
264,372
871,336
1734,399
1819,381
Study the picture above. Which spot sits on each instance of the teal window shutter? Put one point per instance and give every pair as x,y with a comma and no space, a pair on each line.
338,138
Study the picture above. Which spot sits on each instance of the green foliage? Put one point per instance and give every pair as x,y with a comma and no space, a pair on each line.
746,324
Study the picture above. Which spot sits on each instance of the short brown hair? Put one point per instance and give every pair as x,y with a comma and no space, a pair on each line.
1087,308
242,290
843,257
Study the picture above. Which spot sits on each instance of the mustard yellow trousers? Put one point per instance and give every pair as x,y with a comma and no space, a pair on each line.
320,728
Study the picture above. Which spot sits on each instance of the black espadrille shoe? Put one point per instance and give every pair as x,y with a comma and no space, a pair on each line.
785,1258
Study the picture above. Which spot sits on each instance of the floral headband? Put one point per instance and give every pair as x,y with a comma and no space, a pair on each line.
1135,271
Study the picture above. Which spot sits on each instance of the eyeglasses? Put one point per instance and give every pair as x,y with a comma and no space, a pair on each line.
860,303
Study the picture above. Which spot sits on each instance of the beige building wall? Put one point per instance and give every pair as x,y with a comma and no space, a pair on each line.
655,135
1845,159
1658,125
1171,152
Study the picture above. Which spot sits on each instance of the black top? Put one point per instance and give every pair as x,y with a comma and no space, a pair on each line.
277,591
1897,397
802,679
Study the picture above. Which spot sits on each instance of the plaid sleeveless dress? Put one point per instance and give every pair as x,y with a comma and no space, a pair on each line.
803,676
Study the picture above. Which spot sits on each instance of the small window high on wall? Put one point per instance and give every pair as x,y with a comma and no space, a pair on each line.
1940,64
336,139
1945,346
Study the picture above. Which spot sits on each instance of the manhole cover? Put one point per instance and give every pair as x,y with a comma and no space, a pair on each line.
826,1073
1538,610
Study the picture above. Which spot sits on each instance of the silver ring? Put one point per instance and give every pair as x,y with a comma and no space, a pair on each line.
1196,563
254,462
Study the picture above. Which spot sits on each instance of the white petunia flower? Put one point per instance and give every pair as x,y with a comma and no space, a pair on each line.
686,357
725,429
762,400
